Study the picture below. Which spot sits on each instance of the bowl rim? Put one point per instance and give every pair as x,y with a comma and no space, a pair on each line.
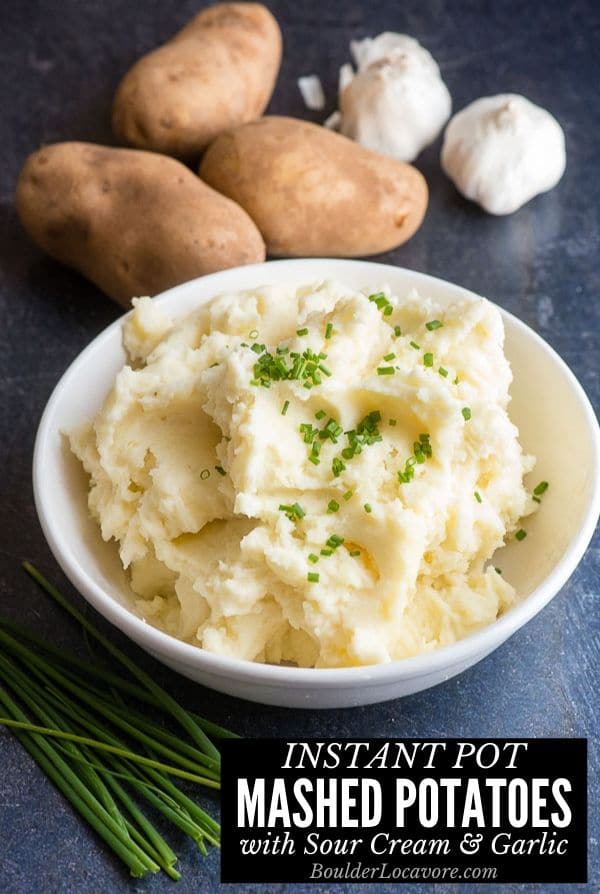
164,645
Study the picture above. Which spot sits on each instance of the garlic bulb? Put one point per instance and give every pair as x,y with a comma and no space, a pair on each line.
501,151
397,102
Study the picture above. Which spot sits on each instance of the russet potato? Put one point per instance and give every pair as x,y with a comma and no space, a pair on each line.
217,72
312,192
133,222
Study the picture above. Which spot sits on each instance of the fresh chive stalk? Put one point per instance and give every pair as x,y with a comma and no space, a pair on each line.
80,730
166,701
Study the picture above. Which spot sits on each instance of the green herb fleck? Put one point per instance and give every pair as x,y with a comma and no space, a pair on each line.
389,356
337,467
294,511
541,488
433,324
220,470
313,559
477,496
443,372
385,370
284,408
414,345
355,552
428,359
312,577
329,330
320,414
333,506
367,507
397,331
521,534
348,495
466,412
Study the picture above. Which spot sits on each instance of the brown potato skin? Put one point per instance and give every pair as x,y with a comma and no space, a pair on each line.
217,72
315,193
133,222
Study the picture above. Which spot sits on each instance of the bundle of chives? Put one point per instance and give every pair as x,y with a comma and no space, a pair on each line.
83,734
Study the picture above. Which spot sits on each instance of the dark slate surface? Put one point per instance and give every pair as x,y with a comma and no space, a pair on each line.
61,60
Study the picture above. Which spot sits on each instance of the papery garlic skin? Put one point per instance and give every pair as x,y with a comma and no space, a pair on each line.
396,103
501,151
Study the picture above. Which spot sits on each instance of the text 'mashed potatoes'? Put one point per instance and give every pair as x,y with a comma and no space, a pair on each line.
133,222
217,72
314,192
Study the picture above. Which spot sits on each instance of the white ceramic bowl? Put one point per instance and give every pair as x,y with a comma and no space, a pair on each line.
556,423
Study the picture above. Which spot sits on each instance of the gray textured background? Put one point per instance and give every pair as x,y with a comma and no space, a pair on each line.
61,60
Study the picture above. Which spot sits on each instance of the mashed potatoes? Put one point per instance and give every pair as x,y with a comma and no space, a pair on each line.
311,474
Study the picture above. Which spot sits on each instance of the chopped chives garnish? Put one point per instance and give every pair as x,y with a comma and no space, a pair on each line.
367,507
337,467
466,412
204,474
334,541
382,303
320,414
477,496
541,488
326,552
414,345
428,359
293,511
284,408
329,330
397,331
314,460
302,332
313,577
498,570
258,349
348,494
521,534
443,372
385,370
324,369
392,422
282,350
421,451
536,499
220,470
253,334
389,356
316,448
433,324
355,552
313,559
333,506
456,380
